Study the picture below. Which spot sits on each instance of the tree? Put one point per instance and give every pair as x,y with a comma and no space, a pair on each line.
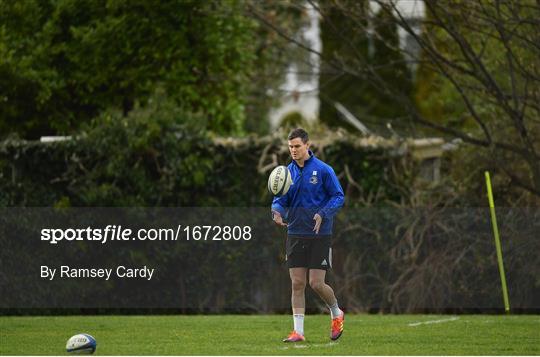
483,59
62,63
343,43
275,57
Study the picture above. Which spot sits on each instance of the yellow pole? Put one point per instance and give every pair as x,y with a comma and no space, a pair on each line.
497,244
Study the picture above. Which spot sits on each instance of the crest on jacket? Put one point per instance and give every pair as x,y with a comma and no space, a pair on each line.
313,178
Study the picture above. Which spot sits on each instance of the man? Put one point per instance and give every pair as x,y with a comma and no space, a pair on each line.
309,206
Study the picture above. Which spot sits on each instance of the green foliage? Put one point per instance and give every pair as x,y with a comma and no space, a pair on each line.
274,57
346,46
482,90
148,159
64,63
435,96
292,120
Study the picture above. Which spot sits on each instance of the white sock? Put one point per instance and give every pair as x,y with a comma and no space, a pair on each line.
335,311
299,323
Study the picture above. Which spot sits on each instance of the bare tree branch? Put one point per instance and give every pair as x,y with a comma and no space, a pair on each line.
467,61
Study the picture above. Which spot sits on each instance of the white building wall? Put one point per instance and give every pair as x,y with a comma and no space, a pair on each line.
302,94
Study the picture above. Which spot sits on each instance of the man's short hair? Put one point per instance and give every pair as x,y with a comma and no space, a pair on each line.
299,133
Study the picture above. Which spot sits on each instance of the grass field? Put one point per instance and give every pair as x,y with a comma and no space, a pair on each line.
262,334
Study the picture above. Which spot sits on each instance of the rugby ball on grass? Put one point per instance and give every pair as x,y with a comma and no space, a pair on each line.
279,181
81,343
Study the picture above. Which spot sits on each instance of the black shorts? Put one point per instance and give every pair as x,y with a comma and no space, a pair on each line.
311,253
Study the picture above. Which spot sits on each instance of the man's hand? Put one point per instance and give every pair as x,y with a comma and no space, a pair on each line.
318,220
278,219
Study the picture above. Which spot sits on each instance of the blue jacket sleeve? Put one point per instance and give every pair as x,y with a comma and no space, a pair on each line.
281,205
337,197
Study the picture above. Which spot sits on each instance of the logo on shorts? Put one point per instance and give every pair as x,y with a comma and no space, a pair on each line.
313,180
324,263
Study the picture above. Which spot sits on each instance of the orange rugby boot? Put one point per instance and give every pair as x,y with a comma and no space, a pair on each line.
337,327
294,337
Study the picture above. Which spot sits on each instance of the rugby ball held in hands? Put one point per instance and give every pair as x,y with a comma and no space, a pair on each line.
81,343
279,181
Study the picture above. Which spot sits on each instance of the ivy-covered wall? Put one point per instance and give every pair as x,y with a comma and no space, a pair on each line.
128,162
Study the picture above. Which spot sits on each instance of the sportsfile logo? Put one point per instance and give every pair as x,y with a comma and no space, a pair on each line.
109,233
119,233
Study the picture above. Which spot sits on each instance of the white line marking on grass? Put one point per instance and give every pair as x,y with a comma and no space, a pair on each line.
433,321
293,346
329,344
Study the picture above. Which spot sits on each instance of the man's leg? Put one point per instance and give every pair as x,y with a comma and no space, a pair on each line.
298,300
298,285
318,284
297,263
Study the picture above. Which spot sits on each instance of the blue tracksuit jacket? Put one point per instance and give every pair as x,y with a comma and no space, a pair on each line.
315,189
